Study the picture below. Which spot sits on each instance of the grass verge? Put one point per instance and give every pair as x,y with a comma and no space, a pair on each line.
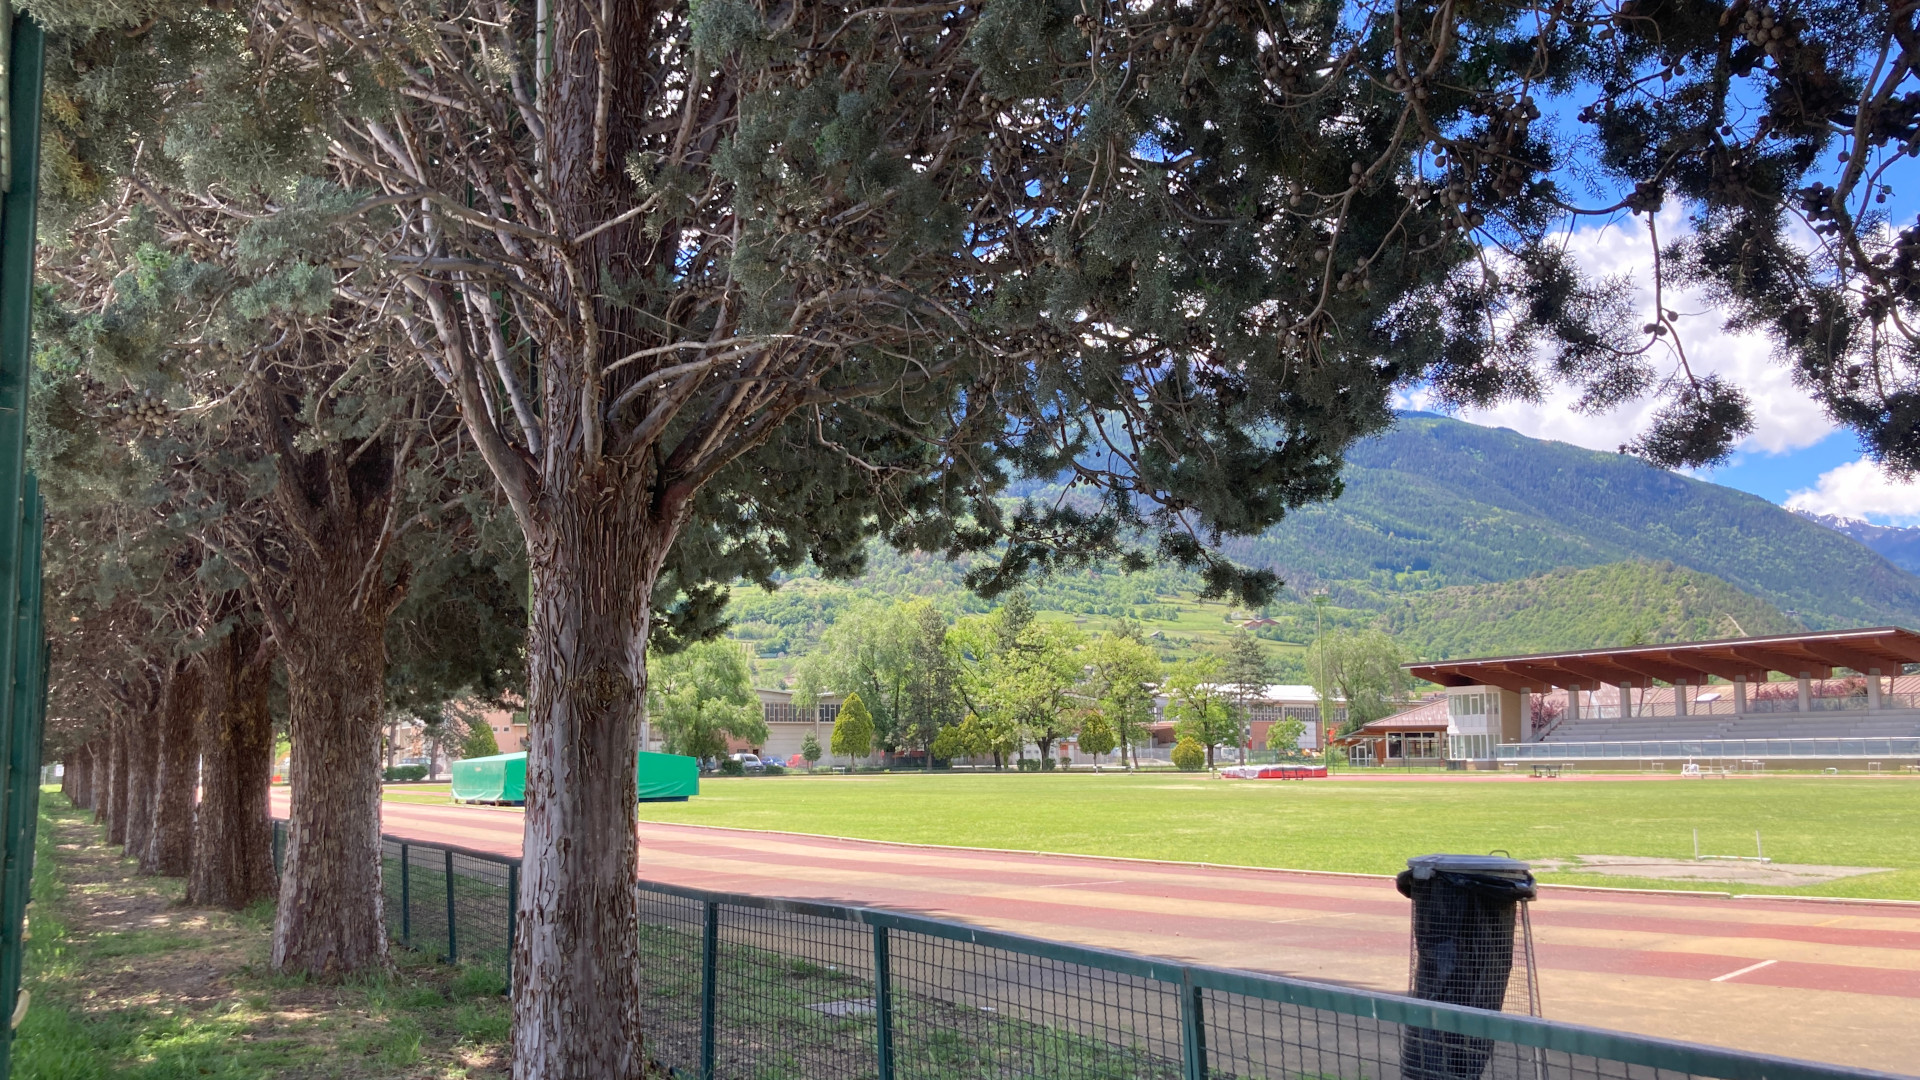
128,983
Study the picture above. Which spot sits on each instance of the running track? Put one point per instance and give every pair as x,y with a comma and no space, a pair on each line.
1830,982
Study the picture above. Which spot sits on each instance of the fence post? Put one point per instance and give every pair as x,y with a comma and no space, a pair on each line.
453,937
709,971
1193,1029
406,895
513,916
883,1001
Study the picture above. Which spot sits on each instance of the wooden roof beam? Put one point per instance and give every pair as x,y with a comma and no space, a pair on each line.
1841,656
1784,661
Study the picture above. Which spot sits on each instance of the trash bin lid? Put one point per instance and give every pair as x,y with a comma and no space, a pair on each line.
1425,866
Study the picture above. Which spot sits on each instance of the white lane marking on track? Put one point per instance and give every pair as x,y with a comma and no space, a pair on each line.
1744,970
1080,884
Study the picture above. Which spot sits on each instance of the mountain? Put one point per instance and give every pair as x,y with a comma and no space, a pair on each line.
1453,503
1900,546
1462,540
1629,603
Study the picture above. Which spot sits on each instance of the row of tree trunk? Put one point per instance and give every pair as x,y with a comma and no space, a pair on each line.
201,729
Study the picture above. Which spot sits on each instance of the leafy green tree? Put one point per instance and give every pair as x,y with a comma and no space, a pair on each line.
1284,735
1028,684
1189,755
853,730
702,695
1199,705
810,750
1246,671
1360,670
478,740
869,650
1096,735
933,700
1122,673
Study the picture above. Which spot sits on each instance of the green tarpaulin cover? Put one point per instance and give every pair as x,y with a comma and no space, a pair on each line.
667,777
499,778
503,778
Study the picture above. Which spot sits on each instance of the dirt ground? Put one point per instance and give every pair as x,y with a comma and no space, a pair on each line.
1727,870
127,982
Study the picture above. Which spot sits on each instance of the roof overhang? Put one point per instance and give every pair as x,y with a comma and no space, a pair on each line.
1883,648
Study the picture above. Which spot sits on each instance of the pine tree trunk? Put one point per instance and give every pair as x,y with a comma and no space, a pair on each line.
575,966
143,761
170,851
330,921
84,784
232,847
107,774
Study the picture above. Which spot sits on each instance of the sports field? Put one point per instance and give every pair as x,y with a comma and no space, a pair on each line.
1370,825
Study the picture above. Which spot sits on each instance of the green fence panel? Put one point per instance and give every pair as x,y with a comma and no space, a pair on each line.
22,642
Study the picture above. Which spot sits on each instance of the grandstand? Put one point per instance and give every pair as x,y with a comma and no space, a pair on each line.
1747,700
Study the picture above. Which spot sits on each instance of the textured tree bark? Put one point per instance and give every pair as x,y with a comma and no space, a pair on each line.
110,808
576,966
85,784
170,851
143,747
330,919
232,848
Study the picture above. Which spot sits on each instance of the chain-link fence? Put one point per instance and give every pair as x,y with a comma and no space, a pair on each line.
754,988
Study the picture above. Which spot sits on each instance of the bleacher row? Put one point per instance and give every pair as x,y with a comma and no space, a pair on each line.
1762,726
1655,719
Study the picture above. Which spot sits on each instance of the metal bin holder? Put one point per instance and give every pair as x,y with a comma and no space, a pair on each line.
1466,909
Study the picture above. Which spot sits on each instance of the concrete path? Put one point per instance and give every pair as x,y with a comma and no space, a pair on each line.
1825,981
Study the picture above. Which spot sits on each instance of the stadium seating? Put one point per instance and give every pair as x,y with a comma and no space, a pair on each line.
1762,726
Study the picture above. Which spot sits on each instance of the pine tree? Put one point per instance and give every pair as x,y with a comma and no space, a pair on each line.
1246,670
810,750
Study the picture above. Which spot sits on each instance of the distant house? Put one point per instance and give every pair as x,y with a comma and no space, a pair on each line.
788,724
1411,736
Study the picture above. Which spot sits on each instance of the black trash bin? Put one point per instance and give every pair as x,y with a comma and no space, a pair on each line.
1464,915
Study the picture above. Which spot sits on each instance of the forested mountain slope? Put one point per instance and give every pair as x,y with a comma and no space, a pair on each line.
1467,504
1630,603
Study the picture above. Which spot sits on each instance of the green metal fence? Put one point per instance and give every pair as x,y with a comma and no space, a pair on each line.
22,643
747,987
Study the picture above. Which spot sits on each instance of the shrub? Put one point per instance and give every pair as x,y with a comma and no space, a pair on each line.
1189,755
730,767
407,772
1066,762
1029,765
774,768
810,750
1047,764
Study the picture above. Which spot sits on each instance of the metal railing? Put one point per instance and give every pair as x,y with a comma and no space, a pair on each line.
741,987
1775,703
1877,749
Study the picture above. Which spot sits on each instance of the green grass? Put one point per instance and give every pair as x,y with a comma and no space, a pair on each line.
105,1006
1369,826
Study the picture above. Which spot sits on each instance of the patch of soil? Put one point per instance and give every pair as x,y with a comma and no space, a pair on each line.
1738,872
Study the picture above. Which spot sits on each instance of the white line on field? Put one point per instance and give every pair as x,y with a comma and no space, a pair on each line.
1744,970
1080,884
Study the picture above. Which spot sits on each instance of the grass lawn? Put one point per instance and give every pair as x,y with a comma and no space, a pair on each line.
127,983
1362,825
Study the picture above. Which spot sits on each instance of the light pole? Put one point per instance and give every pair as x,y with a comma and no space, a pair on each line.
1320,601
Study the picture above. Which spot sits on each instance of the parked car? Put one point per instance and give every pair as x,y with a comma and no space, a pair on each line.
750,761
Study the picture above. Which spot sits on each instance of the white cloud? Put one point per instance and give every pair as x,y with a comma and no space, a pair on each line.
1861,489
1785,418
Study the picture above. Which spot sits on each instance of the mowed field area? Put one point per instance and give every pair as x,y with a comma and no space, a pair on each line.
1368,825
1365,823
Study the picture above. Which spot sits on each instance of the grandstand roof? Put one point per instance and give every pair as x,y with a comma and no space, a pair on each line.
1885,648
